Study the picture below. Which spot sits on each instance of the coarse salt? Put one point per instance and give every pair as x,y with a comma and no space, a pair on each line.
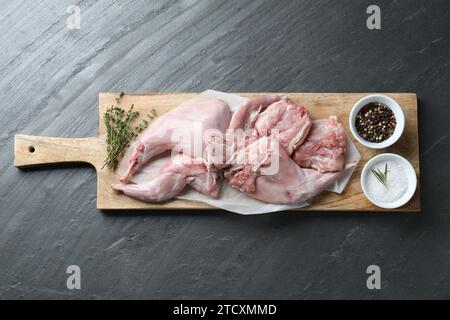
396,182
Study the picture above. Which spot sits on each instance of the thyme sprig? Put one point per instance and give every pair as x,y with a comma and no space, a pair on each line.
120,132
381,176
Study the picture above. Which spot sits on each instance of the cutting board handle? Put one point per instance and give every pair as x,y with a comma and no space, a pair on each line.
34,150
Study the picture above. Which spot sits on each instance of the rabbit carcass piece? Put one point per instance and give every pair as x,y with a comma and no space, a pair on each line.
325,147
179,129
173,177
265,171
187,130
262,116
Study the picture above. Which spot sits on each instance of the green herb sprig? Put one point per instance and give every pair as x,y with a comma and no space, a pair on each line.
381,176
120,132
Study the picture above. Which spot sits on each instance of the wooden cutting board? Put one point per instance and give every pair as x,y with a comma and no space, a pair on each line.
34,150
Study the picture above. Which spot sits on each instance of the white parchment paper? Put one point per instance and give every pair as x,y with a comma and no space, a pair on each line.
231,199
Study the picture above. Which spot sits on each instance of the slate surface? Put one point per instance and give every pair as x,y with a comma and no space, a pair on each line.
49,80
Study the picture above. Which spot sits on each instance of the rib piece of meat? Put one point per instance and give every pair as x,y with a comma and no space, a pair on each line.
292,122
176,129
270,175
172,178
241,130
260,116
246,115
325,147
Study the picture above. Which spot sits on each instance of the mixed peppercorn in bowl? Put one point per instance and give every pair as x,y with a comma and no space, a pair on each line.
377,121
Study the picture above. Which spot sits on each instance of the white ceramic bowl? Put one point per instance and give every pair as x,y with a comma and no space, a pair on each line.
410,174
393,105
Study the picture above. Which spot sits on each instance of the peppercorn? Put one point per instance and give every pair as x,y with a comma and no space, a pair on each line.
375,122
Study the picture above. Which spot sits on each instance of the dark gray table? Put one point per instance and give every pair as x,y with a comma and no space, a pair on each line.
50,77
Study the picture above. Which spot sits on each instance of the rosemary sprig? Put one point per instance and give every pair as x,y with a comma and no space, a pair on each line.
381,176
119,131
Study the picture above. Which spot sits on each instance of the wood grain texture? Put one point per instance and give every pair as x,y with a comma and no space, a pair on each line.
321,105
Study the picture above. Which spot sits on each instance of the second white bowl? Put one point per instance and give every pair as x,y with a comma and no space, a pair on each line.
410,175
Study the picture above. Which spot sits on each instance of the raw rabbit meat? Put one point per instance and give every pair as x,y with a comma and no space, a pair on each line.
262,166
292,122
325,147
256,159
176,129
285,183
260,116
246,115
173,177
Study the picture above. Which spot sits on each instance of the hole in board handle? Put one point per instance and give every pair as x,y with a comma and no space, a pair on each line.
31,149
